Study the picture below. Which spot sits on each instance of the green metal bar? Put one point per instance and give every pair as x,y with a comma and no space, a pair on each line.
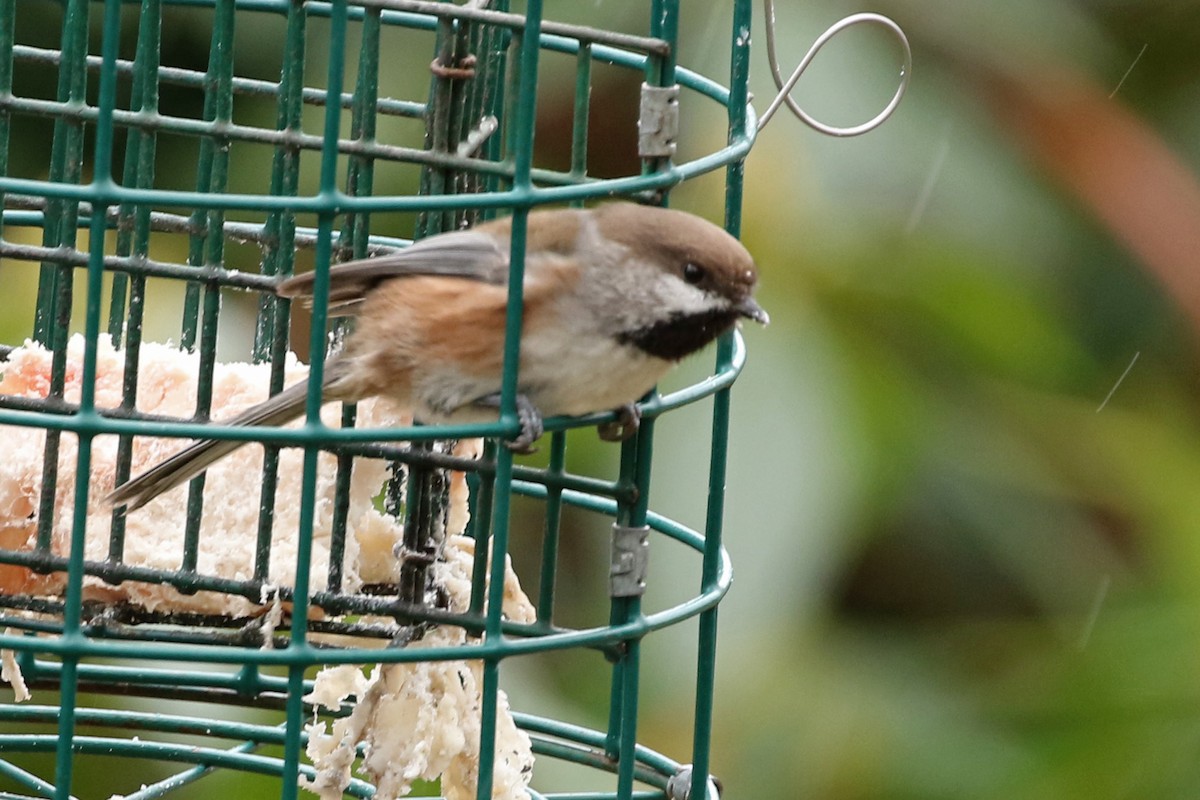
551,531
584,746
133,237
353,243
618,613
496,41
200,316
242,87
538,641
551,738
425,15
583,742
8,16
455,107
464,97
422,502
664,26
524,120
636,460
278,348
481,530
208,249
590,757
686,79
167,785
508,116
471,108
65,160
15,773
72,612
437,125
161,221
483,502
57,340
139,171
582,112
223,637
501,508
661,67
714,522
279,255
270,471
204,384
341,509
249,635
212,164
555,188
635,466
566,742
52,316
422,515
247,683
360,173
156,721
295,711
185,753
271,332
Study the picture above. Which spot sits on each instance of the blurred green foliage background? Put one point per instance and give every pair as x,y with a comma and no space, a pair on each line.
964,503
967,559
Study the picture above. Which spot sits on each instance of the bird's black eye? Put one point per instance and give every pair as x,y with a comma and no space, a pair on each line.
693,273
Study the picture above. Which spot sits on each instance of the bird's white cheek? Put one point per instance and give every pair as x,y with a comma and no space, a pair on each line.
688,299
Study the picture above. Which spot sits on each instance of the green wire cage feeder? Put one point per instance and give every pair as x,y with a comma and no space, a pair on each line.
348,587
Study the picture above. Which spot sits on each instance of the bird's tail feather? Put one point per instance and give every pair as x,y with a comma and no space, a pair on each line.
191,461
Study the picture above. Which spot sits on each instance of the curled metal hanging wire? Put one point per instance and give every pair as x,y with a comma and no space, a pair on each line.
785,87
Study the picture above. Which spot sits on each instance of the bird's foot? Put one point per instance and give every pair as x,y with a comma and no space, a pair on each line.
629,418
528,417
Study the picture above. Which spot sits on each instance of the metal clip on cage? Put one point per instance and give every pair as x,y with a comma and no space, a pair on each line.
97,211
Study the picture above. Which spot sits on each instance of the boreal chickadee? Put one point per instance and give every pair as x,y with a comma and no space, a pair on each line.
613,297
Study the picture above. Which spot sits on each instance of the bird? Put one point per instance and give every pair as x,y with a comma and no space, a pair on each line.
613,297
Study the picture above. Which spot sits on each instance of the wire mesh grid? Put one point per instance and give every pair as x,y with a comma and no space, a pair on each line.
100,220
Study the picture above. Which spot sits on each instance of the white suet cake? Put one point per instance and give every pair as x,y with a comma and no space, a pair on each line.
422,719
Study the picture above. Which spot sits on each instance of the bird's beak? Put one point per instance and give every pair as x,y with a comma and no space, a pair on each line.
752,310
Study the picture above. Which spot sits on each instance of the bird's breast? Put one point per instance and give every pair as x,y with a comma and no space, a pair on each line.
583,374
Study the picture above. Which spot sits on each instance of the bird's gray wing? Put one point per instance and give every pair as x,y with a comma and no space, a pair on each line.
460,254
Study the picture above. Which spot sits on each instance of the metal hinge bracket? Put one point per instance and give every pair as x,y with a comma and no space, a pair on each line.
630,559
658,121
